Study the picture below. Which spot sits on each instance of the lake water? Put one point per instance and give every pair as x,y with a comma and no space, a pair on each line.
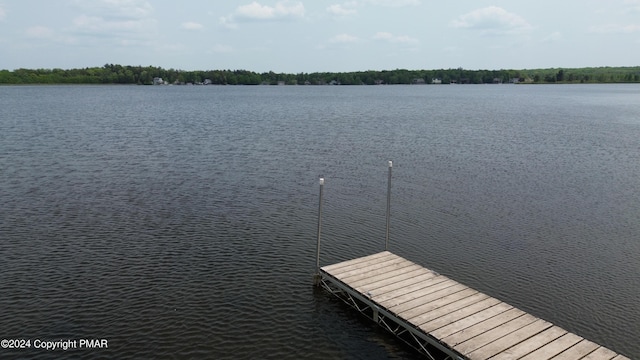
180,222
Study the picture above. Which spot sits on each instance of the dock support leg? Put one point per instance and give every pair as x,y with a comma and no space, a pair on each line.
317,277
386,240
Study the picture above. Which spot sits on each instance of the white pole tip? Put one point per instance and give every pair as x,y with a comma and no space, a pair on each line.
390,163
321,181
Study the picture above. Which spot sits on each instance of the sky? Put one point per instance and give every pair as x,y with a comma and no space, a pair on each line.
294,36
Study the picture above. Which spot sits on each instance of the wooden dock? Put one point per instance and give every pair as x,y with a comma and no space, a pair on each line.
430,311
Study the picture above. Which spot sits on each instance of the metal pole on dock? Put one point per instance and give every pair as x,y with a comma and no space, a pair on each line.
316,278
386,242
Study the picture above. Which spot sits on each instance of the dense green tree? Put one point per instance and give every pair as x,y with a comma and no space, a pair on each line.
118,74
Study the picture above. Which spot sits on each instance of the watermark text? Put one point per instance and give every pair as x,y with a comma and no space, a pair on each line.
54,345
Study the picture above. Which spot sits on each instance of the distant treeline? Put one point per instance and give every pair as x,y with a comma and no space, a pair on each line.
119,74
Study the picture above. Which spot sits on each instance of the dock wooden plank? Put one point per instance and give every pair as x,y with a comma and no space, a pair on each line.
503,337
486,326
371,268
333,267
467,322
412,280
600,353
471,320
531,344
621,357
454,316
368,267
417,291
578,351
384,294
555,347
436,302
377,275
510,340
423,296
406,278
363,267
448,308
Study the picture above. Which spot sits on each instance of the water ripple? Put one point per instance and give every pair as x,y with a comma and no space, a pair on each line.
180,222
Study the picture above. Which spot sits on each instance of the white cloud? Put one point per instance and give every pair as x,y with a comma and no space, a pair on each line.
343,39
127,22
383,36
39,32
615,29
96,24
393,3
343,9
282,9
492,20
394,38
351,7
117,9
256,11
192,26
228,22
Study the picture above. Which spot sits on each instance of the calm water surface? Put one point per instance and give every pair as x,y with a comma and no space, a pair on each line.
179,222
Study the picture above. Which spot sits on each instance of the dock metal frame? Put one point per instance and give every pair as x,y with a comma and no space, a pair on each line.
404,331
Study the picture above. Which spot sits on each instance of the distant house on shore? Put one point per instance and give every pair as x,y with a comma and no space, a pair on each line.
158,81
436,81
